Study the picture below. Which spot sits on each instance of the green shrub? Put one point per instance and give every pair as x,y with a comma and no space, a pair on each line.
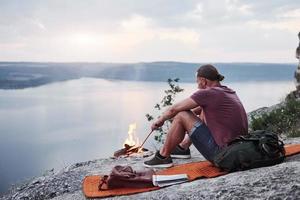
166,101
281,120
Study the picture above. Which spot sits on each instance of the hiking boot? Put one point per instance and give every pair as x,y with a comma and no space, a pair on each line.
179,153
158,162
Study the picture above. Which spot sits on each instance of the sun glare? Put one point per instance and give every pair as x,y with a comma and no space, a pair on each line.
84,39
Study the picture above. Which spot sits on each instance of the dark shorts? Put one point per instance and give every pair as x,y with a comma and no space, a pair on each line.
204,141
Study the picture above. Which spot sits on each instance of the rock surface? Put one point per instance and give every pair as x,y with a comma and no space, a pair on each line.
264,110
275,182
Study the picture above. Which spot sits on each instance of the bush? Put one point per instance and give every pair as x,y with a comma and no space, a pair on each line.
166,101
285,119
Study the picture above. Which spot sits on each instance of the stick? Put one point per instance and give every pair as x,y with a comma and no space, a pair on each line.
146,139
133,147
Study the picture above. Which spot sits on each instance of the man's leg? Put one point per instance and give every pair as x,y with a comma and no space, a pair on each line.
186,142
182,150
182,122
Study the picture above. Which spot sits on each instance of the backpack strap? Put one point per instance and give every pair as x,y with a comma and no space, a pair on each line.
272,149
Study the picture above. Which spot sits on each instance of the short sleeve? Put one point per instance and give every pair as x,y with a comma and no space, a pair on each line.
204,97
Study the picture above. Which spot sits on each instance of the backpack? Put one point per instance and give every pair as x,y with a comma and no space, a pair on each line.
257,149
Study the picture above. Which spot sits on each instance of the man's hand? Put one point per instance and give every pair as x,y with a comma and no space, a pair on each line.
183,105
157,124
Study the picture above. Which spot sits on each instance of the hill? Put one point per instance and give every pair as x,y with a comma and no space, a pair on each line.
18,75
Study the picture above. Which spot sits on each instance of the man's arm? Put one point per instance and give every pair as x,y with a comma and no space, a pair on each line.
184,105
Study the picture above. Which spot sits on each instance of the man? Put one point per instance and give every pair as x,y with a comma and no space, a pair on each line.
210,119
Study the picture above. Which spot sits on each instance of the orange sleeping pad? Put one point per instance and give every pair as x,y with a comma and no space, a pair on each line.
195,170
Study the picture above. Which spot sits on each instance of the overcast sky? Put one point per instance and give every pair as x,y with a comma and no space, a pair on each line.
149,30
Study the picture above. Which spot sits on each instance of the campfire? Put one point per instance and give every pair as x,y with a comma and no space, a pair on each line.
131,144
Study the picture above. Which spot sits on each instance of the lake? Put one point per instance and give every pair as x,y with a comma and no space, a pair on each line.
58,124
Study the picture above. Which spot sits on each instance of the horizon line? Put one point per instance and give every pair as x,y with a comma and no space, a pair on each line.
139,62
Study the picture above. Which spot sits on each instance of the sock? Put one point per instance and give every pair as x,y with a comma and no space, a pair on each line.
160,156
181,148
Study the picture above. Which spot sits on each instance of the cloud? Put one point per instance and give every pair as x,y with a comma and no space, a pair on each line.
142,29
293,13
235,6
134,30
288,20
285,25
196,13
38,24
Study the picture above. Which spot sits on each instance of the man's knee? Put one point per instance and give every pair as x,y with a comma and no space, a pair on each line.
187,119
183,115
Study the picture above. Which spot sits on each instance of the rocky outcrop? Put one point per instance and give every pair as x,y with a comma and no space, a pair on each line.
296,93
263,110
275,182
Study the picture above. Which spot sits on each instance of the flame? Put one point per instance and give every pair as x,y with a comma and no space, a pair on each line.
132,139
140,150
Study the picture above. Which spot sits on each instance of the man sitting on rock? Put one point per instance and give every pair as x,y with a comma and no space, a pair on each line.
210,119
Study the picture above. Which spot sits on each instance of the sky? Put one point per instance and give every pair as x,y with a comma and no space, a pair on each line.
149,30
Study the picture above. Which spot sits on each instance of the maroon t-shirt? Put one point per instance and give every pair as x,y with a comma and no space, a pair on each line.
224,113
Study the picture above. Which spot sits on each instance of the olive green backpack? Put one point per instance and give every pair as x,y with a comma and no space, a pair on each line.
257,149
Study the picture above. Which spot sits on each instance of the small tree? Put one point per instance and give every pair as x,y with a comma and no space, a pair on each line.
166,101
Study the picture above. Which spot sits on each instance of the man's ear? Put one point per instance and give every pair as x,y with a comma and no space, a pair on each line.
202,79
205,81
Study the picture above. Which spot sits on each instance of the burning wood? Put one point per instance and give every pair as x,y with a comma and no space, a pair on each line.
131,144
127,150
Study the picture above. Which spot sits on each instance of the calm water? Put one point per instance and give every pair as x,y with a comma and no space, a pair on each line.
62,123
